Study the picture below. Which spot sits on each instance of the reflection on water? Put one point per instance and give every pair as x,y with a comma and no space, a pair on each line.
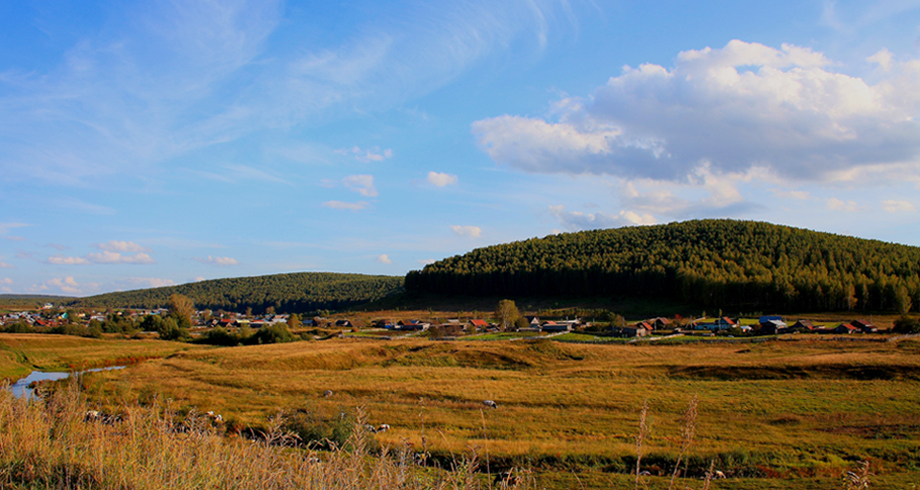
21,388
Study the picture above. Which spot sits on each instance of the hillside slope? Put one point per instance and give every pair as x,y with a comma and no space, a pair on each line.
720,263
296,292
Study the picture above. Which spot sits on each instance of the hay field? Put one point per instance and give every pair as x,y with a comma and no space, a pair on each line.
782,414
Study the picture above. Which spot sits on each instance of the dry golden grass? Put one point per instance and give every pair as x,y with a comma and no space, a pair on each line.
21,353
773,415
52,444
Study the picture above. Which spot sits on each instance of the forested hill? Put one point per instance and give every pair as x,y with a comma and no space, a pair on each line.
718,263
297,292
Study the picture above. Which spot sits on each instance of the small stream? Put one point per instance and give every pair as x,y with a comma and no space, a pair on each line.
21,388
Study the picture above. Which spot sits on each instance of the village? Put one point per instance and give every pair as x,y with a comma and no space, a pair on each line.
56,319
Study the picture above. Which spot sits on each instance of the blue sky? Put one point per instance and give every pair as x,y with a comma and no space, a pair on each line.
157,143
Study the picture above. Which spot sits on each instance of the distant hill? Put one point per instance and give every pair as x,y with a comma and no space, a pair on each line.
31,301
716,263
286,293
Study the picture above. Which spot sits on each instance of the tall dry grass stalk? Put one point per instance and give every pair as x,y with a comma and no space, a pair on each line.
640,439
687,433
47,444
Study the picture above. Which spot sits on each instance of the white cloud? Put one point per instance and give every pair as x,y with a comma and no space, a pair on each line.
367,156
6,280
173,77
467,231
362,184
383,259
218,261
4,265
62,260
426,261
351,206
577,220
7,227
898,206
791,194
835,204
733,109
107,257
121,246
14,238
150,282
65,285
441,179
883,59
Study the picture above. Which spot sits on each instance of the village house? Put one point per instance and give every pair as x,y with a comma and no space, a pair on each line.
864,326
553,327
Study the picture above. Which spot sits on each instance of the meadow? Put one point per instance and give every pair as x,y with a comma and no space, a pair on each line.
790,414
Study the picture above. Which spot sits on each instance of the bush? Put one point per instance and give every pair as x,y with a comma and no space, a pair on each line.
906,325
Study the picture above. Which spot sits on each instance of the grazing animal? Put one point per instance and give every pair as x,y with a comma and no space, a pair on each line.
101,417
718,475
327,393
370,428
507,479
490,404
383,428
215,417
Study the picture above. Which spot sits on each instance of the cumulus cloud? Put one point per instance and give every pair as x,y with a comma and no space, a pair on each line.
577,220
441,179
883,59
383,259
835,204
467,231
351,206
426,261
66,285
62,260
898,206
121,246
362,184
367,156
733,109
218,261
4,265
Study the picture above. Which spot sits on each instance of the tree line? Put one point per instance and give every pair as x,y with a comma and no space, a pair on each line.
720,263
284,293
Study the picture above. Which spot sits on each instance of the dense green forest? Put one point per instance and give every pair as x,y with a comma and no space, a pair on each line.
286,293
719,263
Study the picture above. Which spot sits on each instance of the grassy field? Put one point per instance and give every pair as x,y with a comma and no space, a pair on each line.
22,353
774,415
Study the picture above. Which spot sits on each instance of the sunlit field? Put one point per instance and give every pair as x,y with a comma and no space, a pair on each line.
781,414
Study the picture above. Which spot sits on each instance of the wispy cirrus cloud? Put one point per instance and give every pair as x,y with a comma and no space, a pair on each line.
362,184
154,86
350,206
367,155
